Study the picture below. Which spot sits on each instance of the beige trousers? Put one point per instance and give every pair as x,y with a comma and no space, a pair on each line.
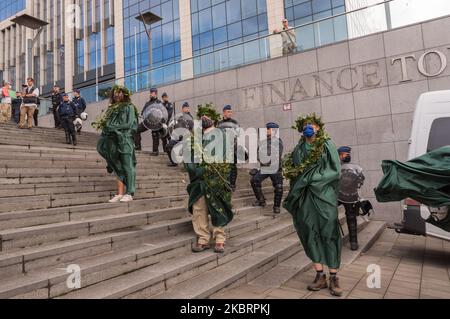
27,110
200,222
5,112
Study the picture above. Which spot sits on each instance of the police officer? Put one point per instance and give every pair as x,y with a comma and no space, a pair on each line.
185,109
351,180
68,112
227,121
56,101
268,169
156,135
80,103
141,128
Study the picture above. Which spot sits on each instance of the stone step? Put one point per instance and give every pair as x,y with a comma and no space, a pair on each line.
37,235
113,264
29,218
32,258
181,268
61,153
299,263
11,205
239,272
36,134
12,127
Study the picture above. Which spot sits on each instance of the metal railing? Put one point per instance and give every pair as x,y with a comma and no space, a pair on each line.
343,26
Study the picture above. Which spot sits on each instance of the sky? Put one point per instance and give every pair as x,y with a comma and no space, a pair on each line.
405,12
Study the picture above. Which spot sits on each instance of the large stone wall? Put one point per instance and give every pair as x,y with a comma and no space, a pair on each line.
365,89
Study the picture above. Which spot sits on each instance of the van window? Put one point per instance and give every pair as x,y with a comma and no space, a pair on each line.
439,133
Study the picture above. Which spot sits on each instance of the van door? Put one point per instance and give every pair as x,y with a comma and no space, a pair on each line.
440,217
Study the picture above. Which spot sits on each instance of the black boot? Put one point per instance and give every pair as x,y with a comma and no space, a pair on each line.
155,138
278,195
68,141
74,139
233,177
260,200
352,231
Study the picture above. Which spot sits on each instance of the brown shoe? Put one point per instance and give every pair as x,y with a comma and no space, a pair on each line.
335,289
219,248
198,248
320,282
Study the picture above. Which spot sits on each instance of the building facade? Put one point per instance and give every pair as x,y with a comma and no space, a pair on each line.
92,44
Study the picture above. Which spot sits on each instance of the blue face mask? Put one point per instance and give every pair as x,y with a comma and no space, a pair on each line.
308,131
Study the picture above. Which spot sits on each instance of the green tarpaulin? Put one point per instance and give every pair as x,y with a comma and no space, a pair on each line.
425,179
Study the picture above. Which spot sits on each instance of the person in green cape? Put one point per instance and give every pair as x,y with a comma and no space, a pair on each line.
313,169
116,145
209,189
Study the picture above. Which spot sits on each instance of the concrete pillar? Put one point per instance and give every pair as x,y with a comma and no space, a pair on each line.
187,67
275,14
118,40
69,49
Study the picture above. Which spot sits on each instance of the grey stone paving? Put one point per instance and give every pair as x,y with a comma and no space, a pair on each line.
411,267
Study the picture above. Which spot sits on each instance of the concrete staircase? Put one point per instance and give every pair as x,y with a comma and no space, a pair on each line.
54,213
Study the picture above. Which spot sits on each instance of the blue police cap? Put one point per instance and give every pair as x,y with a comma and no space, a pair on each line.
272,125
185,104
344,149
227,107
153,90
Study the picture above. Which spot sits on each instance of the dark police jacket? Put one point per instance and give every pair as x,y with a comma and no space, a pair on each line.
17,102
228,120
80,103
56,100
267,143
169,108
67,110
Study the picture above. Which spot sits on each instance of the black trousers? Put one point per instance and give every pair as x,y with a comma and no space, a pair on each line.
351,213
68,126
138,138
35,117
277,183
56,117
156,136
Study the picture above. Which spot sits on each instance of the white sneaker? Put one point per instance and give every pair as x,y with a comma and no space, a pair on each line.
116,199
126,198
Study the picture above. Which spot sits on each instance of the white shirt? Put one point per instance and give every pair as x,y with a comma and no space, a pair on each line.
35,92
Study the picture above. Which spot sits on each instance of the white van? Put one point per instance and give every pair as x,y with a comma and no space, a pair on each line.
430,130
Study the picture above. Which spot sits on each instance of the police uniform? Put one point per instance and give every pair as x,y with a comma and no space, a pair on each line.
173,142
233,168
351,180
142,128
67,112
277,178
157,135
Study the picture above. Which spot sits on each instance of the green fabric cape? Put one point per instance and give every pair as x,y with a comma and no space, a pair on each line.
425,179
116,145
218,197
312,201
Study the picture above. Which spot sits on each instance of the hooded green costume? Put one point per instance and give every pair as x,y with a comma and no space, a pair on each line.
210,179
313,171
116,144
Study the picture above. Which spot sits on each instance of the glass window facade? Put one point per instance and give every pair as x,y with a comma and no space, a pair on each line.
300,12
9,8
217,24
166,47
